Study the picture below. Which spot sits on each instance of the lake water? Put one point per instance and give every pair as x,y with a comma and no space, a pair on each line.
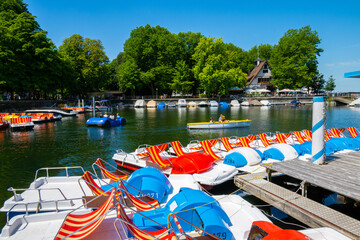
69,142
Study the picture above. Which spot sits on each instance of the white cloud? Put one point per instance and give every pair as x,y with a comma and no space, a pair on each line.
347,64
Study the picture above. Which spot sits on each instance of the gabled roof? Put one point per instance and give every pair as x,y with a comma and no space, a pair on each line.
255,72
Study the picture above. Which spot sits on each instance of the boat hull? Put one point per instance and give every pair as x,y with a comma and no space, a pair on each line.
218,125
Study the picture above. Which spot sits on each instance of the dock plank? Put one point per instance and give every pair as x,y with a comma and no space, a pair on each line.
345,182
305,210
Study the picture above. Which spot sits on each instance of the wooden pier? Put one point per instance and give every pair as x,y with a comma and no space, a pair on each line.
341,174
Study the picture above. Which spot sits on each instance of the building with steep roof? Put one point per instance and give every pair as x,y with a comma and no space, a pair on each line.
260,76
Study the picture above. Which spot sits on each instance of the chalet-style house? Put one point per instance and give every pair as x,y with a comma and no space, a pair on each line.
260,76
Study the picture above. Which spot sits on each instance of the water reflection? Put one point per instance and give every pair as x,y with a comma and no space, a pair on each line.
139,112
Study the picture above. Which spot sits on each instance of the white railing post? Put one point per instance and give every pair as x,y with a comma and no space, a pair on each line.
318,131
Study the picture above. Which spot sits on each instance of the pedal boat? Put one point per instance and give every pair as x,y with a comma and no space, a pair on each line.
105,122
202,167
59,193
220,125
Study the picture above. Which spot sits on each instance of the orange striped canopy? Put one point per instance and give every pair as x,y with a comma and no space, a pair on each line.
299,137
137,202
281,138
308,134
206,145
176,145
20,120
84,224
245,142
352,131
162,234
327,135
94,187
264,139
154,154
336,132
160,147
109,174
226,143
212,143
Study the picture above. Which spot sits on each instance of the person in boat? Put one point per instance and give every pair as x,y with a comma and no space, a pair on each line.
106,115
117,115
222,118
112,116
211,120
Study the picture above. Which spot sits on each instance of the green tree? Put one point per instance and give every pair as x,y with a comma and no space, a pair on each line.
317,83
215,67
183,80
154,51
262,51
183,77
330,84
88,60
294,58
29,61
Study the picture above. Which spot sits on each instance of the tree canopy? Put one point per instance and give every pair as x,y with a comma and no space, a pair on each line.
88,59
294,58
29,61
216,67
330,84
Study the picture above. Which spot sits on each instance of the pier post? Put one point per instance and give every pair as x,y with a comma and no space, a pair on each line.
318,131
93,104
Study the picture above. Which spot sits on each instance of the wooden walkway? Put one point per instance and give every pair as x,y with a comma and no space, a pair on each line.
341,175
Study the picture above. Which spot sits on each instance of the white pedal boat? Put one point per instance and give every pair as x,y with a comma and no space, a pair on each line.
59,193
217,174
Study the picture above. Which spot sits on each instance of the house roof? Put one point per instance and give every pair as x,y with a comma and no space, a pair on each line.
255,72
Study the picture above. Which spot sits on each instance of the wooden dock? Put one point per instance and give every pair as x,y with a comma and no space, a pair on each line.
340,175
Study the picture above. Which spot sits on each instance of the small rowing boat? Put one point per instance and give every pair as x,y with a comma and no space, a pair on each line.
217,125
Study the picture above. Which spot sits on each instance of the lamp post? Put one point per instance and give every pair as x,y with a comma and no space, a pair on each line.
156,93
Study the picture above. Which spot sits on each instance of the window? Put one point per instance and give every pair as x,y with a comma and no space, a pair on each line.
263,80
265,71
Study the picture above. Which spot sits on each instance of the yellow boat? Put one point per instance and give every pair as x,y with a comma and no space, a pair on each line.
217,125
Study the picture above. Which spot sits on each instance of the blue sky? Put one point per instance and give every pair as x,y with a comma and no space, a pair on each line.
243,23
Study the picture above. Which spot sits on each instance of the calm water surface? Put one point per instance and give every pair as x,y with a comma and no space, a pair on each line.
69,142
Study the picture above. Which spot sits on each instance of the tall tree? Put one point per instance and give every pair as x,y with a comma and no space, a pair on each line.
215,68
262,51
154,51
330,84
183,78
88,59
28,59
317,83
294,58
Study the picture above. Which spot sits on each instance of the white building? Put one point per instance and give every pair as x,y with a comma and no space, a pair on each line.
260,76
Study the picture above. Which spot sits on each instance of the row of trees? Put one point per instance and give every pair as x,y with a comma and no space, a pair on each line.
153,59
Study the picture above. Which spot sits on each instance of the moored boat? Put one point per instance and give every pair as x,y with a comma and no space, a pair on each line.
213,103
181,103
3,123
202,104
21,123
219,125
192,104
106,121
140,103
62,112
202,167
234,103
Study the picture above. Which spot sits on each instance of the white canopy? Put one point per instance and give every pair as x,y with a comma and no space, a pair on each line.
259,91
